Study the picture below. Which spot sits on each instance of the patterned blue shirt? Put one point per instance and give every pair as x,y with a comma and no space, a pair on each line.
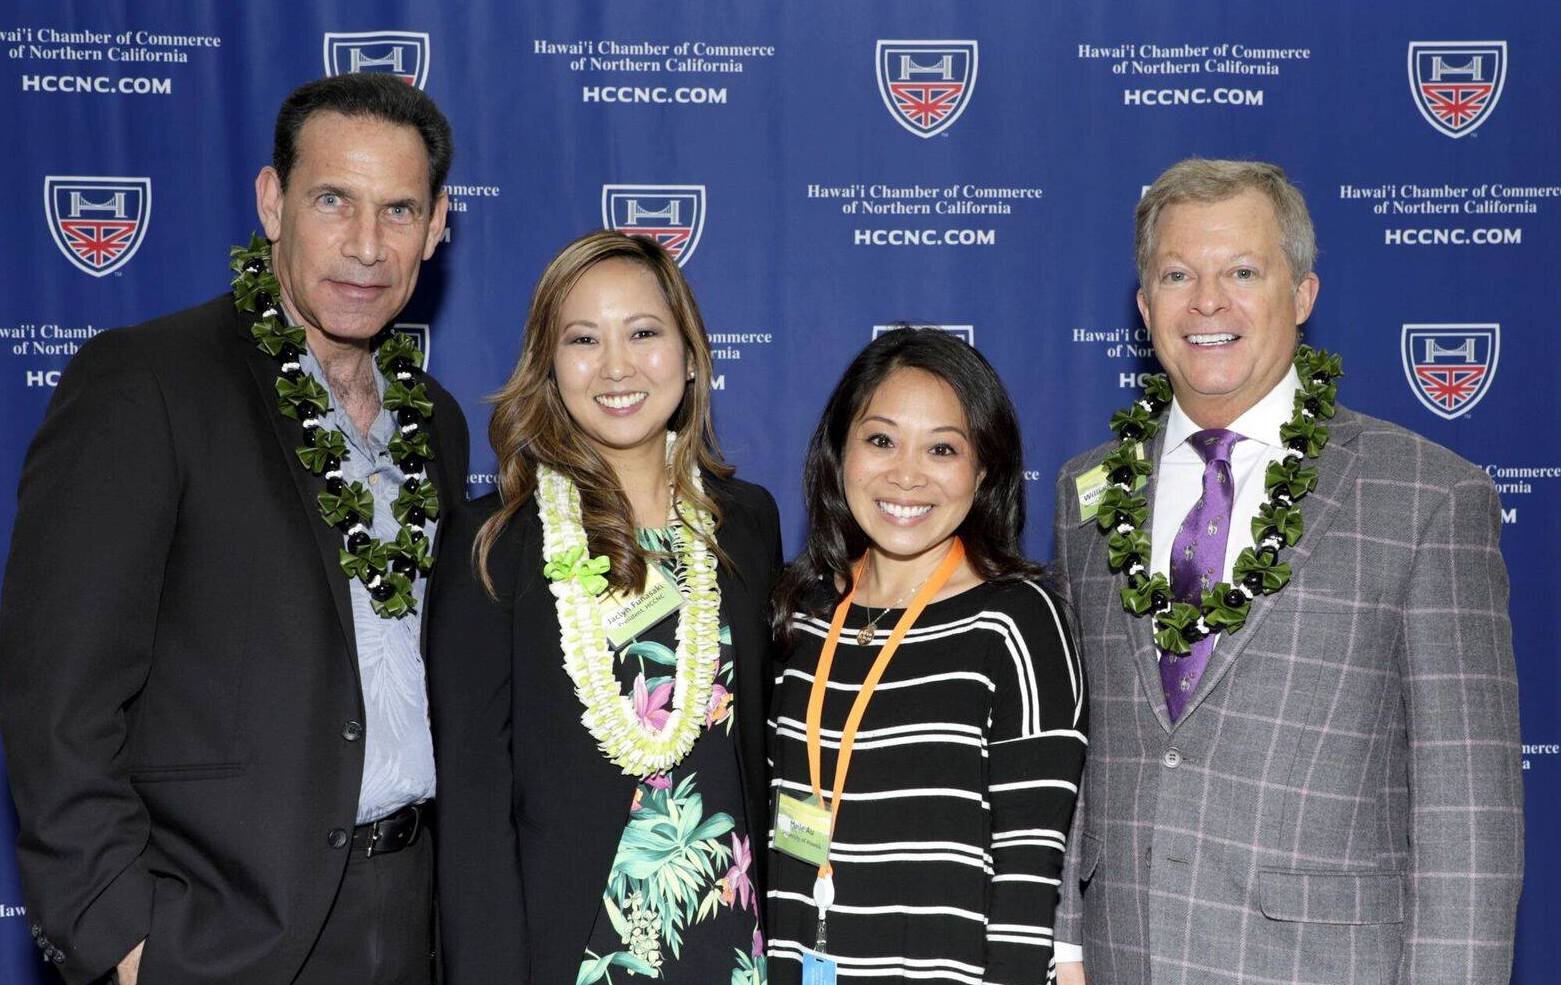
398,749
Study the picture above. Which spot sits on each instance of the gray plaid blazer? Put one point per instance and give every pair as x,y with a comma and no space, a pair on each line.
1342,800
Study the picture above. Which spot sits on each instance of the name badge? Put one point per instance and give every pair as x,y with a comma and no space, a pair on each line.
625,617
802,829
817,969
1093,484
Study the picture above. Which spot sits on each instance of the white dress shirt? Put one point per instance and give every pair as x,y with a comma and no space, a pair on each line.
1179,483
1179,473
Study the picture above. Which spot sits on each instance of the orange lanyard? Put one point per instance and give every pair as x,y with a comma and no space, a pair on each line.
826,659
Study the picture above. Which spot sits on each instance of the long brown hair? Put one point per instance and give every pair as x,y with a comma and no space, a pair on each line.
531,425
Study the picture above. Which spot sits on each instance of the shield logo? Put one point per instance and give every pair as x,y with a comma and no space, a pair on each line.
926,85
672,215
965,333
1450,367
418,332
404,54
1457,84
97,222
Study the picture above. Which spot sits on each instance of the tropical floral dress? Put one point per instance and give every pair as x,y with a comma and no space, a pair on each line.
680,905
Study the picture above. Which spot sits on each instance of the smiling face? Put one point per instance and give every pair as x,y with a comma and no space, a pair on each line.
1221,305
909,468
620,364
353,225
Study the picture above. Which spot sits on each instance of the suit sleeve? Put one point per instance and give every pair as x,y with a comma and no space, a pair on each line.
482,916
1465,781
96,512
1036,750
1070,905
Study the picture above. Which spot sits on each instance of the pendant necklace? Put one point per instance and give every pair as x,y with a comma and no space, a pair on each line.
864,636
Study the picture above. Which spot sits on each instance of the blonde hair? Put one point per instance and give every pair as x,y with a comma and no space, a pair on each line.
1199,180
531,425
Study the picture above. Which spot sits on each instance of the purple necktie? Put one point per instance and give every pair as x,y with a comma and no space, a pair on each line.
1198,559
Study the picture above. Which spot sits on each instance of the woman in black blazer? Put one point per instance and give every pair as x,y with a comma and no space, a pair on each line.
601,772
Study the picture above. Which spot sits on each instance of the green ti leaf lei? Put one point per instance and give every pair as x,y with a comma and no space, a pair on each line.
388,569
1258,570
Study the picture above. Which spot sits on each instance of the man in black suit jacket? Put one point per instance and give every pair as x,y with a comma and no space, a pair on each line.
211,687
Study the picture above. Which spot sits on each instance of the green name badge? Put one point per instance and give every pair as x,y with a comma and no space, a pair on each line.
1093,484
802,828
625,617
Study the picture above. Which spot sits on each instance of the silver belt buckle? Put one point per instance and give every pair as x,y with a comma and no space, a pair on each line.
374,831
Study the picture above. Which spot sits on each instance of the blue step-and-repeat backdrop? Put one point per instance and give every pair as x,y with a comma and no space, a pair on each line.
825,169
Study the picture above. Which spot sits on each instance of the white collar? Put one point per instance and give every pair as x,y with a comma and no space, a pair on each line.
1260,422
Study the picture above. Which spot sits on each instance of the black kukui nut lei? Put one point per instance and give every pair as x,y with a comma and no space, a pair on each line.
1258,570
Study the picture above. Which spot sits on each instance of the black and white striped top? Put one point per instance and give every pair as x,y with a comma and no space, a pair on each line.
948,849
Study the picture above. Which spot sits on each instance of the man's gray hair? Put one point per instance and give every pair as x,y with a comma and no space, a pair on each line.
1206,181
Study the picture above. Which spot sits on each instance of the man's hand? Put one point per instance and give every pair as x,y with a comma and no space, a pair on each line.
129,970
1070,973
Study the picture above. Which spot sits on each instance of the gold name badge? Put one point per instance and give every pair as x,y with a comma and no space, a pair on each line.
1092,485
626,616
802,828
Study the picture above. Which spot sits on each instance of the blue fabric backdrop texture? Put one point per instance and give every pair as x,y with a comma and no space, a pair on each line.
826,169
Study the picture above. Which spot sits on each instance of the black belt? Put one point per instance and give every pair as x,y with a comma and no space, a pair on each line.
390,833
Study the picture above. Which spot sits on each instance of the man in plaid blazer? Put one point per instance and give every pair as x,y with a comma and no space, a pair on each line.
1332,794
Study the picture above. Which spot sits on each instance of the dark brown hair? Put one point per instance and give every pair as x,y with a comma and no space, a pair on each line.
990,531
377,95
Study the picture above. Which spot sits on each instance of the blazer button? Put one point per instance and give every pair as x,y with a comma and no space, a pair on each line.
352,731
337,838
1173,758
57,956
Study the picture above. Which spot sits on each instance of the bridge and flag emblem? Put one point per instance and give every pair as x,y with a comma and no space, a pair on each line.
672,215
926,85
1456,84
1450,367
403,54
97,222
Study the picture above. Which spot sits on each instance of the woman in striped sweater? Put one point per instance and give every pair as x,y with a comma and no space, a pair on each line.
928,725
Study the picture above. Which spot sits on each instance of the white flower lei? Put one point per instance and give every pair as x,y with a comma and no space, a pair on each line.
609,714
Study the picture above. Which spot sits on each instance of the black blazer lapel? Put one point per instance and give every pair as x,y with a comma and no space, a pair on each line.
451,490
289,436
